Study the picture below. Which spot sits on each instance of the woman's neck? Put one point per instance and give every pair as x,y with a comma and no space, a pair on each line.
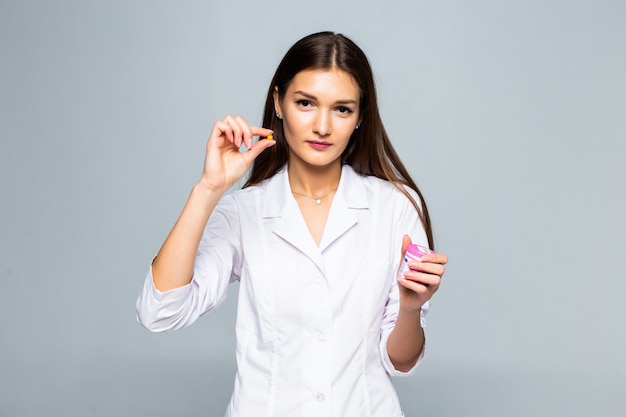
314,181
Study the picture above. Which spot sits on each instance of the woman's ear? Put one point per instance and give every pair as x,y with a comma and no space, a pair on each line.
277,108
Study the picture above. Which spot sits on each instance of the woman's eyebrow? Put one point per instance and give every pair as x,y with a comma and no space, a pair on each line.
312,97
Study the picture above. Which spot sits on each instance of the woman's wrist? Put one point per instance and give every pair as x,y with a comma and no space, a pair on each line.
206,188
413,313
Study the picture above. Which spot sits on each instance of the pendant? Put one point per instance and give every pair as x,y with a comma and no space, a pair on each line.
318,201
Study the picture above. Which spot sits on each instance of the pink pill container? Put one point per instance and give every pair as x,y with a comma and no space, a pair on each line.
413,253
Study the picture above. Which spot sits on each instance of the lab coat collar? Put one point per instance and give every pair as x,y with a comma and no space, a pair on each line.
279,203
350,190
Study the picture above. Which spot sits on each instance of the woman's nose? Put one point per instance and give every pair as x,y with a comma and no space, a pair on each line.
322,123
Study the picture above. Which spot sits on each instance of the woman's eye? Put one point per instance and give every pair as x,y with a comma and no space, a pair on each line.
344,110
304,103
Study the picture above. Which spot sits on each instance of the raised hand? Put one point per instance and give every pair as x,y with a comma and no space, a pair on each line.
225,163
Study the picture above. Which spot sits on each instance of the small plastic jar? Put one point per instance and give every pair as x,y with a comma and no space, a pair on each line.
413,253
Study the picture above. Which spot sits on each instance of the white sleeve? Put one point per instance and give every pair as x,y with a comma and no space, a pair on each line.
217,264
391,370
408,222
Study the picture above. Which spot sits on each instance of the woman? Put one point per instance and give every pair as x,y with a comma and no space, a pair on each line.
315,239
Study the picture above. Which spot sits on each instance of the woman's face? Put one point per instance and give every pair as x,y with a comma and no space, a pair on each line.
320,110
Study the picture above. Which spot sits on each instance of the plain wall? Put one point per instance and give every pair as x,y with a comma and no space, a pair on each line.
510,115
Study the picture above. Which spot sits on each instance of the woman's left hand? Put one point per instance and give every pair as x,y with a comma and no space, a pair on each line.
418,285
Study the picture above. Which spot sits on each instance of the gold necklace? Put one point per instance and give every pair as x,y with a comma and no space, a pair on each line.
318,200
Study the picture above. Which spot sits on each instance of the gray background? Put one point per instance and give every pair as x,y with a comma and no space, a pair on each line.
510,115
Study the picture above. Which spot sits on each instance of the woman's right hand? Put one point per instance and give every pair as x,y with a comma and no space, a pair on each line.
225,164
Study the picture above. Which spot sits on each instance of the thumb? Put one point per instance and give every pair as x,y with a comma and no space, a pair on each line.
257,148
406,241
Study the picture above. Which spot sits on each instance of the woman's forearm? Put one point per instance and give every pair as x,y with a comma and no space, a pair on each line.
173,265
406,341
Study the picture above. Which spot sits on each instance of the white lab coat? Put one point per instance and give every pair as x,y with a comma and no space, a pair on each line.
312,321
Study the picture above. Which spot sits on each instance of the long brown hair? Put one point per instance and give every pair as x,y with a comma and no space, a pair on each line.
369,150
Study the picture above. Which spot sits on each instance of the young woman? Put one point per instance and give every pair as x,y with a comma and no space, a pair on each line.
315,239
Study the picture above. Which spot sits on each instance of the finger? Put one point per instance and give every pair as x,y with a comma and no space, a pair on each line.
427,268
437,258
221,129
416,287
429,280
406,241
257,148
237,130
261,131
246,131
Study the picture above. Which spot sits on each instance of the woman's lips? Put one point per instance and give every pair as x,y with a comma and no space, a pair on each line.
320,146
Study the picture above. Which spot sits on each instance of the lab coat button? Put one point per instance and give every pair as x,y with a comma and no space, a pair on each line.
321,337
320,397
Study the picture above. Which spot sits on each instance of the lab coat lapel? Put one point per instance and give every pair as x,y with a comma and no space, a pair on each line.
349,199
288,221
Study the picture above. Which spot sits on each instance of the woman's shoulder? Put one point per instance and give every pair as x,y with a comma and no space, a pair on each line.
381,188
256,194
248,193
